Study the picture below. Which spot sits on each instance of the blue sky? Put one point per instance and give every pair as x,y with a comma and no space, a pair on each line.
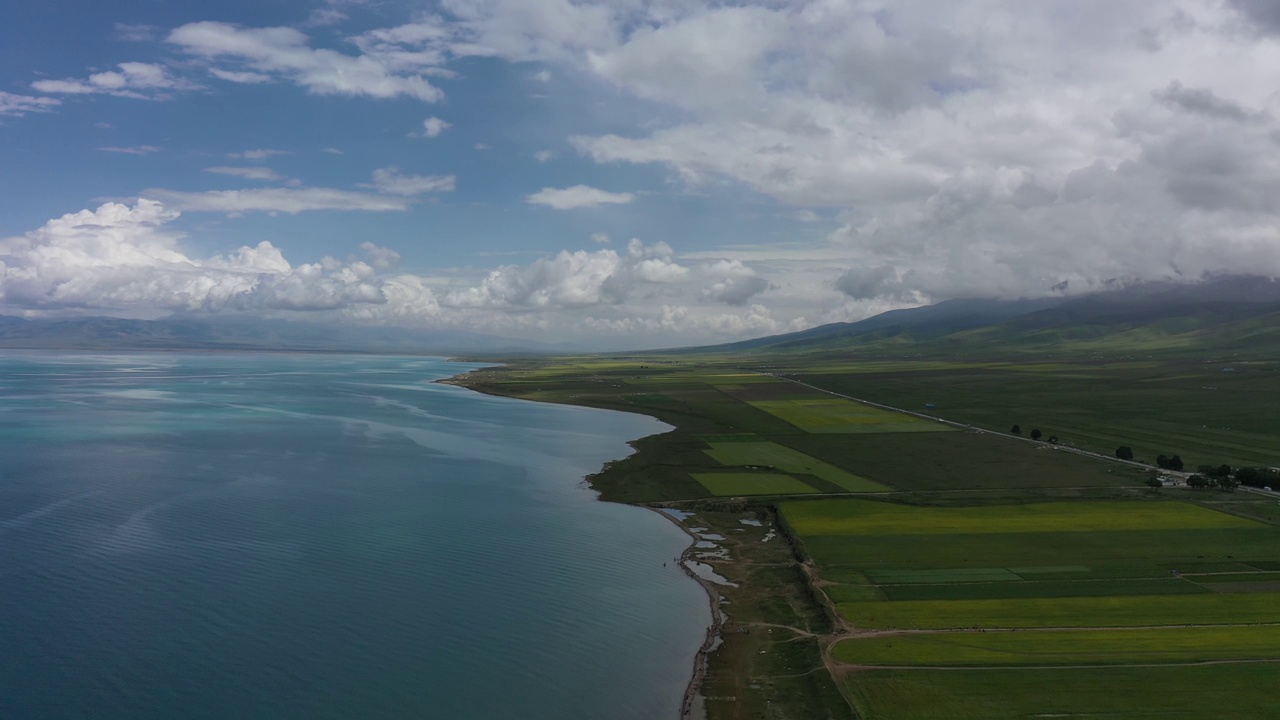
624,173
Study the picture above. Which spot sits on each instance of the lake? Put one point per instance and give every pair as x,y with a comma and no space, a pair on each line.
323,536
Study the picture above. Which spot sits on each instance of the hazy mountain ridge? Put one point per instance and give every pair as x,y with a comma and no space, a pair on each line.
1233,315
240,333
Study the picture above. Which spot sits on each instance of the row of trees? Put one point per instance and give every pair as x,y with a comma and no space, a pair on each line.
1035,434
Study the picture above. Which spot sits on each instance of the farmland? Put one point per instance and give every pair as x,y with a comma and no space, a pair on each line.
935,568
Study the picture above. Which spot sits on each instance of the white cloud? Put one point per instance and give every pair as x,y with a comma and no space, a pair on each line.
19,105
391,181
248,173
601,238
142,81
381,72
135,150
380,257
285,200
967,148
573,279
578,196
259,154
544,156
733,283
332,151
432,127
119,257
244,78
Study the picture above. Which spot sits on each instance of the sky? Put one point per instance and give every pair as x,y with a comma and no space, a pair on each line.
633,173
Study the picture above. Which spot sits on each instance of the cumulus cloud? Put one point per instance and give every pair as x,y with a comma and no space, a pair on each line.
966,148
19,105
574,279
143,81
734,283
119,256
391,181
578,196
285,53
432,127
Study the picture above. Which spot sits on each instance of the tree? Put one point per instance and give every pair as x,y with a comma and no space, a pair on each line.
1016,429
1175,463
1154,481
1035,434
1124,452
1197,482
1228,483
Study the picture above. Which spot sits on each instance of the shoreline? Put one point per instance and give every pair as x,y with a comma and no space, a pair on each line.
693,690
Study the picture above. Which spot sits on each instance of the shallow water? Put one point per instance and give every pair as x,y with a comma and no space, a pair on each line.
304,536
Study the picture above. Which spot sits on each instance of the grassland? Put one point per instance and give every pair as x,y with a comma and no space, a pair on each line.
1191,408
771,454
833,415
723,484
1223,692
1062,560
1051,612
1113,646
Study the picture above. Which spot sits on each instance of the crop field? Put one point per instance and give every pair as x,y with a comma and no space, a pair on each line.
834,415
730,484
773,455
961,461
1223,692
1193,409
1064,647
864,517
1115,611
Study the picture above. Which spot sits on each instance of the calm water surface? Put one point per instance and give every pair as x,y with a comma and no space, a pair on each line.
294,536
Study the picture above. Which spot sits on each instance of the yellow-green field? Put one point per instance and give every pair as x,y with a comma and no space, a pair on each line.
865,517
1113,646
773,455
1125,611
834,415
730,484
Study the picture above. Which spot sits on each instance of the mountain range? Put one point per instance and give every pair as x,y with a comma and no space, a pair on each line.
1237,316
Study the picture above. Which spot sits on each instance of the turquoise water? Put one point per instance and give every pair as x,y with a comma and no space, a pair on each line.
305,536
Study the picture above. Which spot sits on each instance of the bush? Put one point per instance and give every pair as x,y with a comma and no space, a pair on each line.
1124,452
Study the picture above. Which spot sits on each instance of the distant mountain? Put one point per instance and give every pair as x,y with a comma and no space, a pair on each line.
1234,315
245,333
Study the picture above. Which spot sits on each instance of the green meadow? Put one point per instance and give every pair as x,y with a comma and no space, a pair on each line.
1113,646
773,455
733,484
1105,611
1238,691
834,415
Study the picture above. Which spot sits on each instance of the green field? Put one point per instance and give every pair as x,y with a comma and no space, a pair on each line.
1063,647
729,484
968,530
1190,408
1223,692
961,461
1061,612
834,415
863,517
776,456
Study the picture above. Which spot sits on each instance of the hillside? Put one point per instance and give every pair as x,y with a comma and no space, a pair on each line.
1235,316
